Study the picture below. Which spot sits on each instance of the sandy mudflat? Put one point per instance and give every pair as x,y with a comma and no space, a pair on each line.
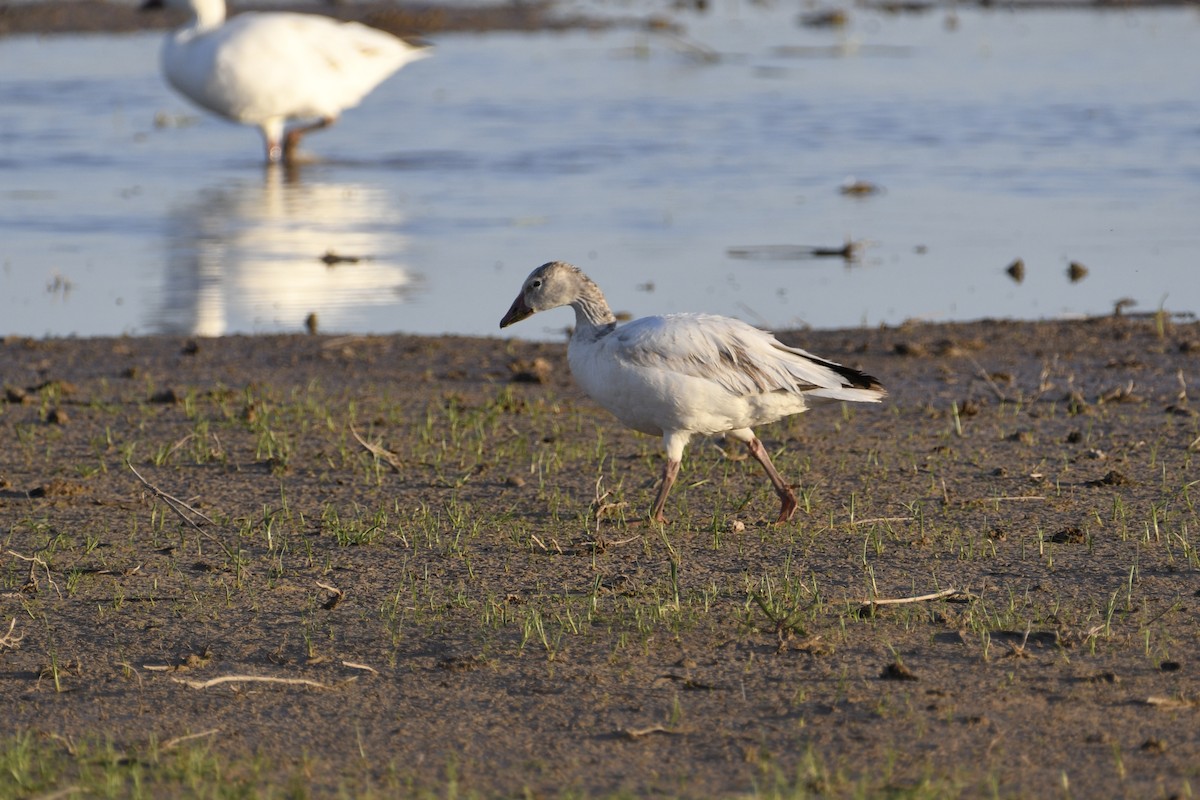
468,627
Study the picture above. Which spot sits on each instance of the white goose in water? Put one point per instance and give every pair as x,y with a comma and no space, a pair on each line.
684,374
266,68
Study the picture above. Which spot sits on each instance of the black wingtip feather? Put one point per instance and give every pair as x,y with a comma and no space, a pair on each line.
857,379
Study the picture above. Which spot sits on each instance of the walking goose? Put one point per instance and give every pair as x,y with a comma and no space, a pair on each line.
267,68
679,375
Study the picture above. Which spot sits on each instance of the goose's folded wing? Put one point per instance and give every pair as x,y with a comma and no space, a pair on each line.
738,357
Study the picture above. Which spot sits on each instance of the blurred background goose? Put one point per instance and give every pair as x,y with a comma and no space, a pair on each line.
679,375
267,68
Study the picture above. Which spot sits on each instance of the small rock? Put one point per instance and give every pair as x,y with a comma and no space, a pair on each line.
913,349
536,371
165,396
56,416
1112,478
1071,535
1102,677
1024,437
895,671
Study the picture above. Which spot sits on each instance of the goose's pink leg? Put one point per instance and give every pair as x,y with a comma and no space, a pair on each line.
787,498
670,472
291,139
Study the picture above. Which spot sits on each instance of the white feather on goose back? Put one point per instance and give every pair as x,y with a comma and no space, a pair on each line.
684,374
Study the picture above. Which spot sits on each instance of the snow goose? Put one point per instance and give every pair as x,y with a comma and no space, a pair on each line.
679,375
267,68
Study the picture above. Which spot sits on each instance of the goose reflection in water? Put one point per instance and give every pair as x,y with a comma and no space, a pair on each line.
250,255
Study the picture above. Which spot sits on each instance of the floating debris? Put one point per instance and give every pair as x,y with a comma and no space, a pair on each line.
1016,270
859,188
850,251
825,18
332,259
1076,272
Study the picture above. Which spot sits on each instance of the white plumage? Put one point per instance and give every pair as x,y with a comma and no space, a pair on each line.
679,375
267,68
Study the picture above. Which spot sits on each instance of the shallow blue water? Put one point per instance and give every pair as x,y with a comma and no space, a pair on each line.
1052,136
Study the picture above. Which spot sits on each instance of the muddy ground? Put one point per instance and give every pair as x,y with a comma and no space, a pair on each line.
437,543
402,19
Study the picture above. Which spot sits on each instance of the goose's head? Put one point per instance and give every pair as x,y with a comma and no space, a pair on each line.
549,286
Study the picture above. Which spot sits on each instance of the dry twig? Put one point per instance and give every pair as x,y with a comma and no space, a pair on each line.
250,679
1159,701
178,740
637,733
337,595
179,507
11,640
172,502
379,451
34,562
886,601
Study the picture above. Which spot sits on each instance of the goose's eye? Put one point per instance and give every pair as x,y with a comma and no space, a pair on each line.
536,284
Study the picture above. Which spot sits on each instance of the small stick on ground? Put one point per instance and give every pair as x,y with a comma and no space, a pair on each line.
250,679
1172,702
364,667
638,733
34,562
179,444
173,502
178,740
11,640
179,507
887,601
337,596
875,520
379,451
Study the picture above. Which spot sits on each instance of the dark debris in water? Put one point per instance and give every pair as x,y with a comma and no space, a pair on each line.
794,252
